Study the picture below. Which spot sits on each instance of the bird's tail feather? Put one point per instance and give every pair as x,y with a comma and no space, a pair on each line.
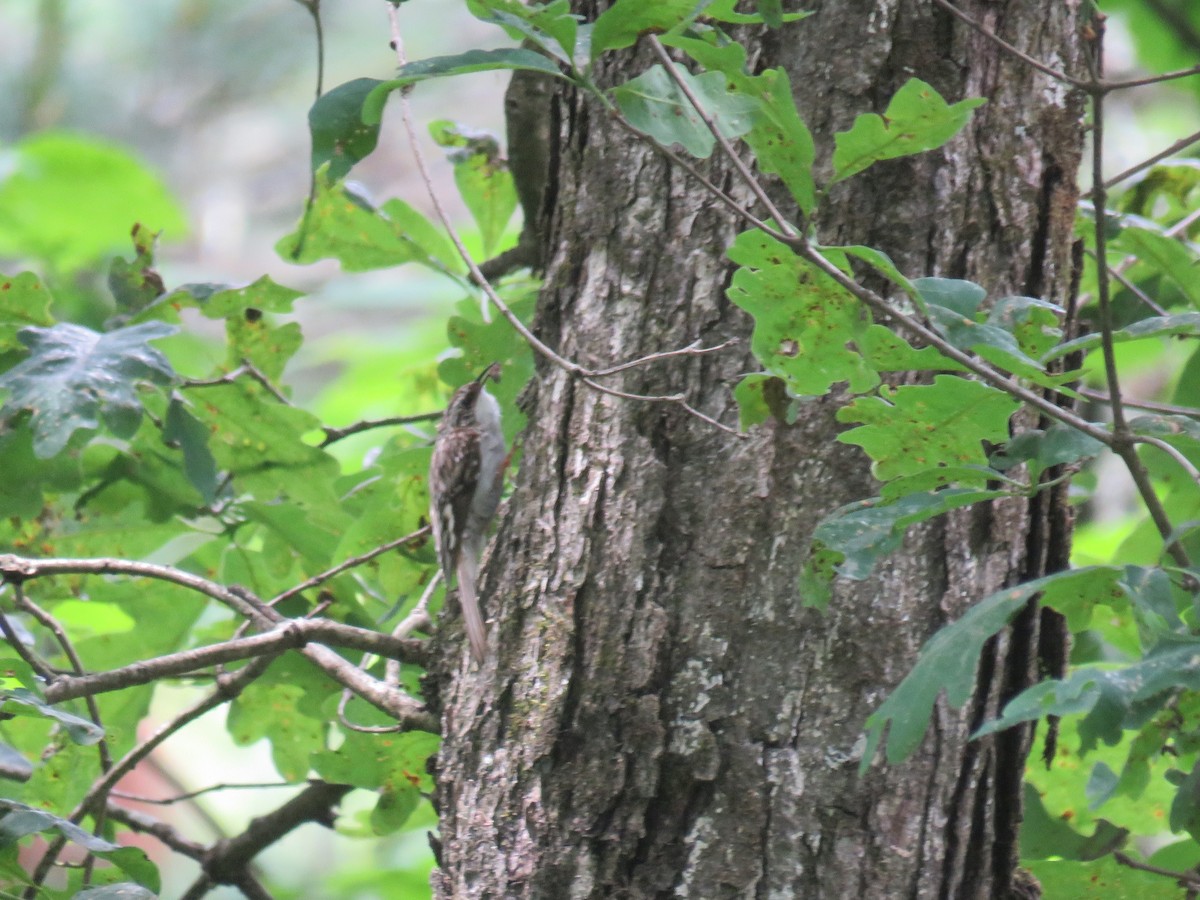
468,599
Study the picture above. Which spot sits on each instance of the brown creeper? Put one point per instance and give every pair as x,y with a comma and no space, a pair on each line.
465,477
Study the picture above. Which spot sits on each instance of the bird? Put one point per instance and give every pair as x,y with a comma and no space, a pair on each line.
466,475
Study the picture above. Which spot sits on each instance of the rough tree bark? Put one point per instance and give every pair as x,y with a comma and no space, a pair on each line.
660,716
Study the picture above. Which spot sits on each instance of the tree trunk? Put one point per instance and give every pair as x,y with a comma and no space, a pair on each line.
660,715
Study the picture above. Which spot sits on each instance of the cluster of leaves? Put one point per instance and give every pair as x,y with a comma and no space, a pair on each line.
123,436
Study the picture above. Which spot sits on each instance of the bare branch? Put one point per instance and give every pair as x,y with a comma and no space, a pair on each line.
691,350
192,795
333,435
1184,879
1152,406
288,635
228,688
227,861
246,368
1152,79
31,659
16,569
677,399
140,822
417,619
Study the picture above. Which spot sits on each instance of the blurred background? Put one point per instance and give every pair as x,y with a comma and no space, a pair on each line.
212,96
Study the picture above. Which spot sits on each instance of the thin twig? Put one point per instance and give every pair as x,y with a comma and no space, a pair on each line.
192,795
1124,441
1134,289
289,635
51,624
691,350
569,366
972,363
688,167
407,710
15,569
1191,882
140,821
1183,462
1150,405
676,399
30,658
1151,79
332,435
417,619
1181,144
350,563
245,368
1005,45
228,688
743,170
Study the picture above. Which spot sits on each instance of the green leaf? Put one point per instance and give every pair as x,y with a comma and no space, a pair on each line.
1044,837
953,308
396,766
24,301
135,285
1102,879
867,530
1163,255
885,351
219,301
24,476
552,27
771,12
21,821
912,428
482,177
916,120
880,262
655,104
782,143
459,64
622,23
1152,327
1058,445
182,428
759,397
805,323
949,658
342,225
285,706
255,340
74,376
725,11
261,443
81,731
1033,322
340,137
71,200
